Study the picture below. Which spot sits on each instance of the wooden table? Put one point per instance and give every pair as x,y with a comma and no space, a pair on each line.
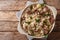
9,22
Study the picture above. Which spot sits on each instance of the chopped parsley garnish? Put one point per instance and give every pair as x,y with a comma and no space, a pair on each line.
44,15
45,22
42,5
37,20
31,7
46,36
32,32
30,17
28,22
48,14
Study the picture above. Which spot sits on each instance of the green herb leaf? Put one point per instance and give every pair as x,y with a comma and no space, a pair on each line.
32,32
31,7
45,22
44,15
46,36
30,17
42,5
37,20
48,14
28,22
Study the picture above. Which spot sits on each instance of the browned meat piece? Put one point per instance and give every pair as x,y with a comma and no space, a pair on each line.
45,32
51,19
45,9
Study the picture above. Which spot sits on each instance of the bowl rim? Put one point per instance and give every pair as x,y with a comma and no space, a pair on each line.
19,25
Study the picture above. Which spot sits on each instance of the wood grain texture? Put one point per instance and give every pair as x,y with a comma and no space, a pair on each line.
12,36
12,4
18,36
54,36
55,3
20,4
58,17
57,27
8,16
8,26
6,36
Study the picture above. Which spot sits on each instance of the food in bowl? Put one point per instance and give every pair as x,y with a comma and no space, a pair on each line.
37,20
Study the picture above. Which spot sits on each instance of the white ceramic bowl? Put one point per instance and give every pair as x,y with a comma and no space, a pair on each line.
19,16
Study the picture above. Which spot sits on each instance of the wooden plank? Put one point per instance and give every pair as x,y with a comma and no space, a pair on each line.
55,3
12,4
58,15
57,27
54,36
12,36
20,4
8,16
18,36
12,26
6,36
8,26
58,10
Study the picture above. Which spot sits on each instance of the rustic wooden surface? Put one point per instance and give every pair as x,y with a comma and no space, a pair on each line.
9,22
